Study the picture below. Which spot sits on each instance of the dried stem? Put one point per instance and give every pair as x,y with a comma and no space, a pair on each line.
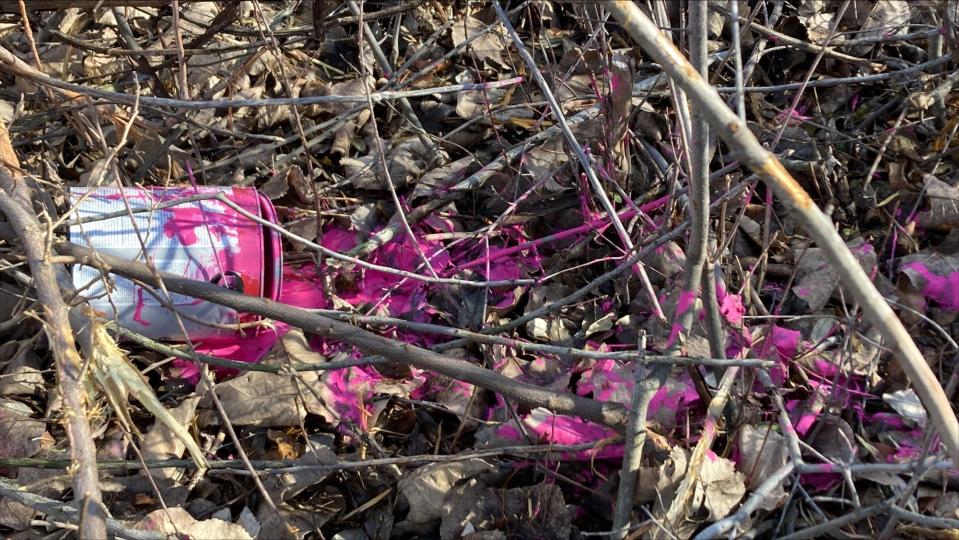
87,497
749,151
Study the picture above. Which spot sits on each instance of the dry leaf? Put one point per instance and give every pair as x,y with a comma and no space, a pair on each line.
162,443
276,186
118,379
427,487
487,48
943,205
475,511
720,486
177,521
20,435
762,451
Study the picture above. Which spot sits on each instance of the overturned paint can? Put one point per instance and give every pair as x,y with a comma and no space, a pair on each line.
183,231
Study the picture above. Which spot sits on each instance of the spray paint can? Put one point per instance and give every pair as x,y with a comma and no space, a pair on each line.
184,231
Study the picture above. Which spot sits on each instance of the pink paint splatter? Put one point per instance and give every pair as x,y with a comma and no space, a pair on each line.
943,290
138,310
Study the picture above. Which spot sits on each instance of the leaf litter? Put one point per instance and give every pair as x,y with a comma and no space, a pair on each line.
381,449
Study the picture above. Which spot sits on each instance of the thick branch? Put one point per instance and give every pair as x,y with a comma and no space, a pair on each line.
68,364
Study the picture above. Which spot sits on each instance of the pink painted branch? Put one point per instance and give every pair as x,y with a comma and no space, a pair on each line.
575,231
741,140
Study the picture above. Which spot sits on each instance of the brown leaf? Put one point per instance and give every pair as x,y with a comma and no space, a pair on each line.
488,48
303,188
763,451
474,510
427,487
277,186
256,398
161,443
20,435
943,205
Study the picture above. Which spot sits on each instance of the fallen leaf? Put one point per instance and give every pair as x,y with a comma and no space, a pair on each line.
20,435
943,205
934,276
177,521
486,48
472,509
907,404
276,186
426,487
162,443
762,451
721,484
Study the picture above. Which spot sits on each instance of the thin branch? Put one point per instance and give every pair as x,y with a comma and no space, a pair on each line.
10,62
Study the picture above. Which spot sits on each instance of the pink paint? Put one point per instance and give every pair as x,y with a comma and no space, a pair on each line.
685,302
943,290
138,310
673,398
185,221
730,305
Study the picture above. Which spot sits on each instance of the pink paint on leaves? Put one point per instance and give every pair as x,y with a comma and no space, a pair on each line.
943,290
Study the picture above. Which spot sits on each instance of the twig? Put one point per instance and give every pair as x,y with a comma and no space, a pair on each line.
278,466
537,347
906,74
8,60
819,226
832,526
360,262
15,203
931,522
802,45
644,388
68,363
163,348
405,108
